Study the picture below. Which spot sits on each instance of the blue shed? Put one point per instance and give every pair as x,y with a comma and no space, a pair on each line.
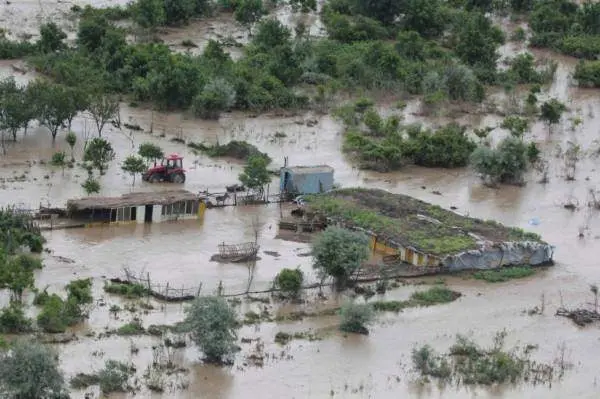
306,179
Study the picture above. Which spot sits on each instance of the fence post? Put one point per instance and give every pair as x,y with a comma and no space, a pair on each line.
167,290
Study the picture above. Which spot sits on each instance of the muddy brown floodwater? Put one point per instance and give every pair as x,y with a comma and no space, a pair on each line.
363,367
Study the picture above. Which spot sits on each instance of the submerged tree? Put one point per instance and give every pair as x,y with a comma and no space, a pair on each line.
355,317
150,152
213,327
289,281
571,158
16,273
99,153
53,105
31,370
71,139
103,108
507,163
255,174
517,126
218,95
248,12
339,253
133,165
91,185
551,111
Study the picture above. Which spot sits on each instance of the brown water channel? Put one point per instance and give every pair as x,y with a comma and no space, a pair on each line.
363,367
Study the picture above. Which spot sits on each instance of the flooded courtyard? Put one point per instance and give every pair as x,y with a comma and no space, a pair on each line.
373,366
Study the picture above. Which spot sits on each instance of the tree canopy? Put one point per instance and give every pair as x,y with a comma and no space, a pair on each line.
213,327
339,253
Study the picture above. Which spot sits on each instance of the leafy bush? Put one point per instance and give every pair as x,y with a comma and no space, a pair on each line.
114,376
31,370
80,291
218,95
132,328
289,281
505,164
434,295
355,317
235,149
522,69
57,314
127,290
447,147
339,253
13,320
213,326
587,73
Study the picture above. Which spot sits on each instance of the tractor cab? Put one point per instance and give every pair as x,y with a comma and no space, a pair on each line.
173,161
170,170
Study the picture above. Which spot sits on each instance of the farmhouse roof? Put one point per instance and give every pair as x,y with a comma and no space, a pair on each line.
132,199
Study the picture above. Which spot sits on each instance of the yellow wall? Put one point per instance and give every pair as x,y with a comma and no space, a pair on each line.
201,209
381,248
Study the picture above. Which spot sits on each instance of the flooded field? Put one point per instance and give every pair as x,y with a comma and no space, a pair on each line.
376,366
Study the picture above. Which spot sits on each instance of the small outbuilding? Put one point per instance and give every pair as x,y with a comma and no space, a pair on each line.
146,207
298,180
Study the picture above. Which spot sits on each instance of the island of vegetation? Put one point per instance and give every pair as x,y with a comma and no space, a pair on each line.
427,235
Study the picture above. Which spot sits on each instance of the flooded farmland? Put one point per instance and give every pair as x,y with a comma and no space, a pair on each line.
374,366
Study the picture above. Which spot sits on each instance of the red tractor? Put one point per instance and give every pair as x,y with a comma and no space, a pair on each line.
170,170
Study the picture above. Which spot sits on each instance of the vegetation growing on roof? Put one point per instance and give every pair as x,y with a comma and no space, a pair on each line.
410,222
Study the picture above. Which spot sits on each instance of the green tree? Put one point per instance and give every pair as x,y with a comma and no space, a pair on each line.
248,12
270,33
71,139
517,126
150,13
91,186
53,105
507,163
425,16
355,317
133,165
179,12
255,174
551,111
98,153
13,320
51,38
289,281
213,327
218,95
15,111
385,11
103,108
16,274
339,253
31,370
59,159
477,41
150,152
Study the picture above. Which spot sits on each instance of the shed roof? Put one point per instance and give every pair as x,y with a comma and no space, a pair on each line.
299,170
132,199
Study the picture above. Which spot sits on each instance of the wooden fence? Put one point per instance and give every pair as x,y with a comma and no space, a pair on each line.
164,292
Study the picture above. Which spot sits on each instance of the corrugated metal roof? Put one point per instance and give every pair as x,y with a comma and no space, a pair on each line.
310,169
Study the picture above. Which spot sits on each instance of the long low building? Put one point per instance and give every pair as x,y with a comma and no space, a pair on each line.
427,235
141,207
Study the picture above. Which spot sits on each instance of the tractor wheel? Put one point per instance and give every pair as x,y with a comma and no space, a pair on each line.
154,179
178,178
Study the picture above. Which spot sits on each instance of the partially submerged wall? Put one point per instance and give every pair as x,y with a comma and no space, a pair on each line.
501,254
